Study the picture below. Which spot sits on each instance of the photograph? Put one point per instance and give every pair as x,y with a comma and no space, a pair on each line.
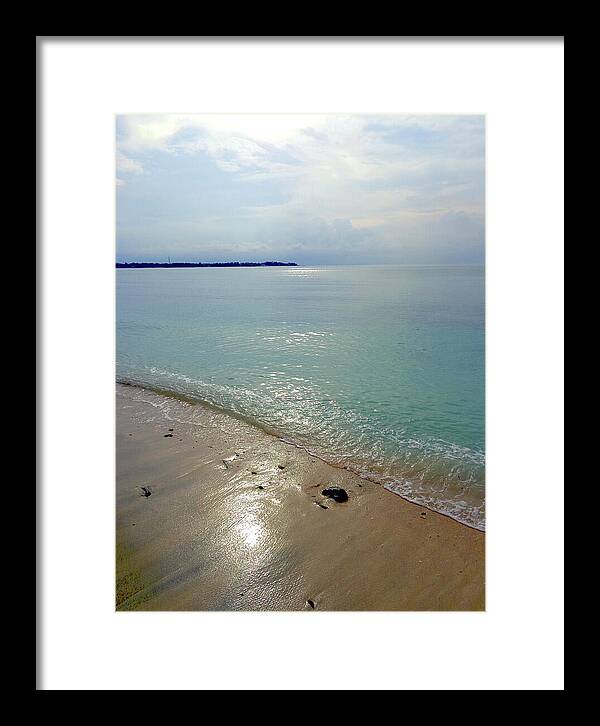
300,362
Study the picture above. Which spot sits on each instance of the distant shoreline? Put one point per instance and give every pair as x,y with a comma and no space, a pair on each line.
152,265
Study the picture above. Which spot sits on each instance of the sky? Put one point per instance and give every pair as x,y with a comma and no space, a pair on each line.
312,189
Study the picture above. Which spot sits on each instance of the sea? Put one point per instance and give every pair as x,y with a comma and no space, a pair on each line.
379,369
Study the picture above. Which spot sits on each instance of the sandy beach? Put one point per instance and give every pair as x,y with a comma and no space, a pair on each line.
215,514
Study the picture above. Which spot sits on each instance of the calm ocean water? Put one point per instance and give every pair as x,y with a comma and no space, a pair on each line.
376,368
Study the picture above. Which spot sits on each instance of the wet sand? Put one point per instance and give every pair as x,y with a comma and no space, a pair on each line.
235,520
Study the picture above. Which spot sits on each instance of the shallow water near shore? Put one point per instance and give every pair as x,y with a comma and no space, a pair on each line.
377,369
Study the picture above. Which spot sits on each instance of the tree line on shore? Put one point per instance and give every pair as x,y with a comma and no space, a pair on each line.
126,265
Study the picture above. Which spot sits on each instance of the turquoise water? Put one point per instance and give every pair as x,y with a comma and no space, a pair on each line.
376,368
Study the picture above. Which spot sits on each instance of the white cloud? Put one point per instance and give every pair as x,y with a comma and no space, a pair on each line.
126,166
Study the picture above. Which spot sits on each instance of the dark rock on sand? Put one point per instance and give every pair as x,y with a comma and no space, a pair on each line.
336,493
311,604
168,436
146,492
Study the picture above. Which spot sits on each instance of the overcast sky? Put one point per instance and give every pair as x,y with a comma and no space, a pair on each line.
330,189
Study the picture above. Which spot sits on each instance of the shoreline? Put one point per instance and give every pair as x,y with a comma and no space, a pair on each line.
236,520
366,474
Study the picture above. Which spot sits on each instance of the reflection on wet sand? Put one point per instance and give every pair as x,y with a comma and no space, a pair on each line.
232,524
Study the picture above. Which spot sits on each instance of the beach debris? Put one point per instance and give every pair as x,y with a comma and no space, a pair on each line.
260,486
321,505
168,436
254,472
229,459
311,604
280,466
145,491
336,493
171,429
423,515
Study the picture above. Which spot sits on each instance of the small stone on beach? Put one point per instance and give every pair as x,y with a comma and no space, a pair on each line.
336,493
146,492
311,604
168,436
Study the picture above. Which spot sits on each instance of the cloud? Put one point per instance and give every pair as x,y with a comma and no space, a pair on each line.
343,187
126,166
